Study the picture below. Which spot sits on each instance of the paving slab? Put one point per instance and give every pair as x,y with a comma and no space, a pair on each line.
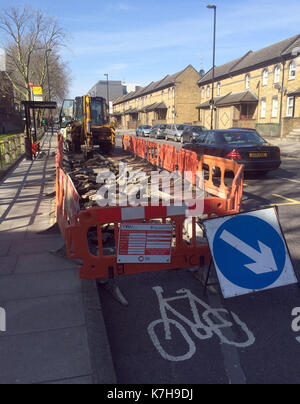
46,262
44,356
39,284
43,313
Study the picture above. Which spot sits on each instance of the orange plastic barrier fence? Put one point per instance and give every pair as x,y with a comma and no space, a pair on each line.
153,153
104,266
167,157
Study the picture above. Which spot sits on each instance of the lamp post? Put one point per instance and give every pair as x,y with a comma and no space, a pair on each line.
49,90
212,101
107,87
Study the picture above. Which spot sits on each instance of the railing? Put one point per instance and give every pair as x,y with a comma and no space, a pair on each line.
11,149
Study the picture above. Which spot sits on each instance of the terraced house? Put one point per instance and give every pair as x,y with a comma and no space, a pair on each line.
171,99
258,90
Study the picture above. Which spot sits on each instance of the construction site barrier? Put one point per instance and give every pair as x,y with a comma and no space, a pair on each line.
186,161
102,262
183,255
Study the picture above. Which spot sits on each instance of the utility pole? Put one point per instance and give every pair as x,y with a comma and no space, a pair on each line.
212,101
107,89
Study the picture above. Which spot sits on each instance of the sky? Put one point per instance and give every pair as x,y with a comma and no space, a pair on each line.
140,41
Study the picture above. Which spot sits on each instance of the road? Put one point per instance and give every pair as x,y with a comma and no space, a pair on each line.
256,344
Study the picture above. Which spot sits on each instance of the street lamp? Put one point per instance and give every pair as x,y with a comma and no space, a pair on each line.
49,91
212,102
47,64
107,84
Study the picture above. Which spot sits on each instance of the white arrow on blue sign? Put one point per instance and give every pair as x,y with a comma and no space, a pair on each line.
249,252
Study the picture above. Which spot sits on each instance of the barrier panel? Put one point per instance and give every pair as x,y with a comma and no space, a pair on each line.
67,202
99,266
153,153
166,156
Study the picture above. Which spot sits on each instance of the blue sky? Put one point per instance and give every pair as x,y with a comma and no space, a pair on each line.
142,41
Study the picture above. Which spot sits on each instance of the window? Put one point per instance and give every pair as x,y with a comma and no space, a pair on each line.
208,92
218,89
210,139
290,107
263,108
169,93
277,74
247,79
203,92
292,70
265,77
274,107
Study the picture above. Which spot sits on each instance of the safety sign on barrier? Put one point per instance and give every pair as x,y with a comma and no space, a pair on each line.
145,243
249,252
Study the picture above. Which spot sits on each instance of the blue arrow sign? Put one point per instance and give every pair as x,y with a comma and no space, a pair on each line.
249,252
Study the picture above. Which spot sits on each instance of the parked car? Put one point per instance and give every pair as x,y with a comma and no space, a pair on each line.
243,146
158,131
143,130
191,133
174,131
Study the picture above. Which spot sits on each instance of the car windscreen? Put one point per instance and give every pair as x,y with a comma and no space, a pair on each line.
197,129
242,138
147,127
200,138
181,127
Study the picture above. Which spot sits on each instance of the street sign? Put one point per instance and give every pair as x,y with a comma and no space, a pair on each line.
31,84
145,243
249,252
37,90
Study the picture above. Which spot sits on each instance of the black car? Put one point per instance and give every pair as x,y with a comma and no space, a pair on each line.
244,147
191,133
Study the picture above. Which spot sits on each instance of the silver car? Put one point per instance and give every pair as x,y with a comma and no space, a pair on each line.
174,131
143,130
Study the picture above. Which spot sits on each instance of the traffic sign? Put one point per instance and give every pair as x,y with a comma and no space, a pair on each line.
249,252
145,243
37,90
31,84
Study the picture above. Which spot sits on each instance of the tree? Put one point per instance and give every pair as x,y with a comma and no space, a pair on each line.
30,40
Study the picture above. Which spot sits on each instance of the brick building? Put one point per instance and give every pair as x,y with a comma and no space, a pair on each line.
259,90
174,98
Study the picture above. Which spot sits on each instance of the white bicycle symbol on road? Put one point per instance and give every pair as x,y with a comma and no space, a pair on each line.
202,328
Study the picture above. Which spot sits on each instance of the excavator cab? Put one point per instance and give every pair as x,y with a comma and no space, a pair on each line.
88,118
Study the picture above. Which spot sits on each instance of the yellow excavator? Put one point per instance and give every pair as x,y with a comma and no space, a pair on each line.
86,127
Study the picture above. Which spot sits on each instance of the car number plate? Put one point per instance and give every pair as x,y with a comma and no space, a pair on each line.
256,155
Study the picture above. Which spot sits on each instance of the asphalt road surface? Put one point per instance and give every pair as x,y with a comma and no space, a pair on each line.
208,339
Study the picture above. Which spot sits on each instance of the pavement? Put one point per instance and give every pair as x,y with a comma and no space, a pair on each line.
55,332
288,147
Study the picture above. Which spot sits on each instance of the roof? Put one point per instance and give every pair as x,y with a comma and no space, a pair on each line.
262,57
165,82
294,92
231,99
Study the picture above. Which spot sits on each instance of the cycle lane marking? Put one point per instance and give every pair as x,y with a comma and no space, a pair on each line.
228,347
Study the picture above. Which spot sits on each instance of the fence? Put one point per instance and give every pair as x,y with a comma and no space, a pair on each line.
11,149
268,129
167,157
102,262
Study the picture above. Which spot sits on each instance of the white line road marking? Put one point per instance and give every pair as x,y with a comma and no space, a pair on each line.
287,179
